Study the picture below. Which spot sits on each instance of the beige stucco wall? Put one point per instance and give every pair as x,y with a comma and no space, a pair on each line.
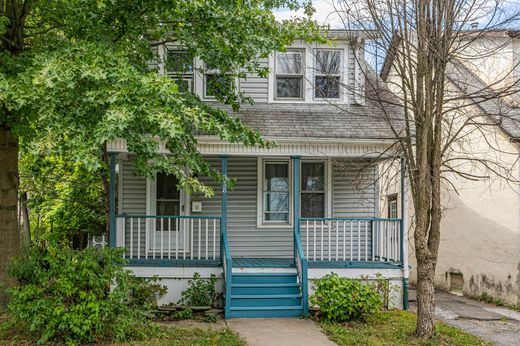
480,230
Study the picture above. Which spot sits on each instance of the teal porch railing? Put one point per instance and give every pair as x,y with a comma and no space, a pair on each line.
182,238
351,239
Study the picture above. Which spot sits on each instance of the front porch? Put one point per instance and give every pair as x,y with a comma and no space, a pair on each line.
266,265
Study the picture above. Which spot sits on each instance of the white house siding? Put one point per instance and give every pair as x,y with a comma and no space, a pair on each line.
353,195
256,87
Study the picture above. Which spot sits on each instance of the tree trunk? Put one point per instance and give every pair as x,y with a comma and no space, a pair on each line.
9,237
425,296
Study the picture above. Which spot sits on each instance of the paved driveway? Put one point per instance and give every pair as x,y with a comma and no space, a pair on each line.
497,325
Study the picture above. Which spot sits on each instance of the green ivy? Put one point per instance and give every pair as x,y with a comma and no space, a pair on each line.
342,299
79,296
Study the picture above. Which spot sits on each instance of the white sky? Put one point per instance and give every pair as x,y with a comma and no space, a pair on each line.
324,13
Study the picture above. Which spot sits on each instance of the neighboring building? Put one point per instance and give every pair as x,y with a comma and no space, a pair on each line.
480,231
298,211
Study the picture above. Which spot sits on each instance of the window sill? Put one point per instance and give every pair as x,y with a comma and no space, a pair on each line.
262,225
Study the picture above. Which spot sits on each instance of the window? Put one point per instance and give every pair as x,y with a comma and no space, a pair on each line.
313,189
168,197
179,66
392,207
289,74
216,82
276,191
327,77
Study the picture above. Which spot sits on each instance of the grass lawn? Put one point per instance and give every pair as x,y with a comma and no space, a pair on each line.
180,336
395,328
170,336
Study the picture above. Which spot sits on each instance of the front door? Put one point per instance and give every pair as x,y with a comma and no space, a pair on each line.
168,235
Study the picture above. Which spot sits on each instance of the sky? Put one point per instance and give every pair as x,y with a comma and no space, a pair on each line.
324,13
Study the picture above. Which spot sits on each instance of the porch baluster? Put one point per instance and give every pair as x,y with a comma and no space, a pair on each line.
131,237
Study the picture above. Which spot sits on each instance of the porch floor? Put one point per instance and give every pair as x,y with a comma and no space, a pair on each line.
263,263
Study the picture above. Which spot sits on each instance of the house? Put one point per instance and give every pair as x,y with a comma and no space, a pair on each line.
300,210
479,251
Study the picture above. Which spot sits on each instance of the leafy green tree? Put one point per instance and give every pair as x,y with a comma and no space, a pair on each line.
74,75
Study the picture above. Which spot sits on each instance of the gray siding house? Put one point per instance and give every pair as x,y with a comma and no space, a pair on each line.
300,210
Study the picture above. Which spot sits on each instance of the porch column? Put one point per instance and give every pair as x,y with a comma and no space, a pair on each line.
223,212
404,232
112,199
296,193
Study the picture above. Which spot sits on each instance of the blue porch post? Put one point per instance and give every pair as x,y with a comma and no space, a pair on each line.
223,212
404,232
296,194
112,199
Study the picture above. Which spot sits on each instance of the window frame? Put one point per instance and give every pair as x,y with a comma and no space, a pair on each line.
391,199
325,192
301,75
340,74
180,75
289,192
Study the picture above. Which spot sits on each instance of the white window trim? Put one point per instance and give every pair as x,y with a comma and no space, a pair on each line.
260,193
344,47
260,223
303,74
327,175
342,76
151,194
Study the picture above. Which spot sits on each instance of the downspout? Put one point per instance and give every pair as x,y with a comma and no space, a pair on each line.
404,233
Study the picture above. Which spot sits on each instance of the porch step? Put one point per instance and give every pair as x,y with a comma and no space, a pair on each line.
264,278
266,300
266,311
269,288
265,294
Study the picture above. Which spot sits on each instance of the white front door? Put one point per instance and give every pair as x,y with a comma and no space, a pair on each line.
167,235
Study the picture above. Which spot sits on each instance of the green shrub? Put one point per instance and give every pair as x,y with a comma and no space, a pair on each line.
200,292
79,296
342,299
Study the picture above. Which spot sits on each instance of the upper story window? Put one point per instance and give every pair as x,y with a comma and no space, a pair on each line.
289,71
214,81
327,76
179,66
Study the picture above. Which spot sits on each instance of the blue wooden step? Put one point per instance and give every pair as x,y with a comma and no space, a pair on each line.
266,300
261,278
266,311
269,288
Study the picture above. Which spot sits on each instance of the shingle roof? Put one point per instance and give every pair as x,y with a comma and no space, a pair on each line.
491,101
323,121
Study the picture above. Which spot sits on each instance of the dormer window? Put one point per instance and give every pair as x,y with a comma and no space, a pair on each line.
327,76
289,70
179,66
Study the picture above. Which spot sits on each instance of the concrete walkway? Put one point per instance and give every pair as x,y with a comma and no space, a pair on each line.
497,325
279,331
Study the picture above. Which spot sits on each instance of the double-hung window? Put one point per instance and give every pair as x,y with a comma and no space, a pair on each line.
276,191
289,71
327,76
179,66
313,189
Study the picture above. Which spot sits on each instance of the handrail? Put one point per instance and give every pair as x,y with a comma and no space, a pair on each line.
348,219
227,262
168,216
302,271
